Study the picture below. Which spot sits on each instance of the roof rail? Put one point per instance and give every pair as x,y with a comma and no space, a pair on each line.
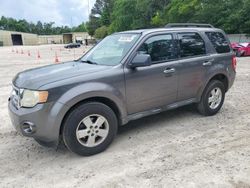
170,25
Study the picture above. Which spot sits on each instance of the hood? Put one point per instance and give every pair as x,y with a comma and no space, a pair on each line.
244,44
237,47
35,78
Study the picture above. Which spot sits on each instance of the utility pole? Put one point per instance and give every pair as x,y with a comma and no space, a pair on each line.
88,7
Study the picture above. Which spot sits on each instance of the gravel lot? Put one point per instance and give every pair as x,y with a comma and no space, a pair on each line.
178,148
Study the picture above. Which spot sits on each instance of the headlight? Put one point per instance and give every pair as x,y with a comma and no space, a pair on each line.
31,98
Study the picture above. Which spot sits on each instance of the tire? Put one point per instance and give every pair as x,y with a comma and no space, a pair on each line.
214,88
83,134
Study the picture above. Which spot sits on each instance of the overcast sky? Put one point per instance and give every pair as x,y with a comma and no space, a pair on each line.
62,12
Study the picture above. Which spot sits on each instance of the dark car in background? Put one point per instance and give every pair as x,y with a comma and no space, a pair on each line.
73,45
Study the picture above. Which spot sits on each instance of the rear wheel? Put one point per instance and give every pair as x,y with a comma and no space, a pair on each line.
212,98
90,128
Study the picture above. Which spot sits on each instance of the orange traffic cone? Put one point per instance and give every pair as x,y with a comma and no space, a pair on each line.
56,58
38,54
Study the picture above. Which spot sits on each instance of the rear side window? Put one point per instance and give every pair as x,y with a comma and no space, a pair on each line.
219,42
191,44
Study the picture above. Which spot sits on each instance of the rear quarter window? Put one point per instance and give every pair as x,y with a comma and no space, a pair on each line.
219,42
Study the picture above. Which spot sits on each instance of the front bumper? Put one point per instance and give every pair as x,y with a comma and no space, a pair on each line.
45,119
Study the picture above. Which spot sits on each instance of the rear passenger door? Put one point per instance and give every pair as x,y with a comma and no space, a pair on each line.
193,60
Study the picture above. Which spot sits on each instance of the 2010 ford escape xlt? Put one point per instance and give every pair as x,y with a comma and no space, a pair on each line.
128,75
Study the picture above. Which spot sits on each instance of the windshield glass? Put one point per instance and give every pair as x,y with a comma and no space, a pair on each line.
111,50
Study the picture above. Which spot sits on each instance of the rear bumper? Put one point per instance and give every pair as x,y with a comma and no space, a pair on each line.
231,78
43,119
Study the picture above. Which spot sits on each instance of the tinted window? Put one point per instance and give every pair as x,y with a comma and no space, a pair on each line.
219,42
191,44
160,48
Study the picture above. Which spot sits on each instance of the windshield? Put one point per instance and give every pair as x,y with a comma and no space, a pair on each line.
111,50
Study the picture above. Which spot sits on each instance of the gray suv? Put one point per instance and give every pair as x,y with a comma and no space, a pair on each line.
127,76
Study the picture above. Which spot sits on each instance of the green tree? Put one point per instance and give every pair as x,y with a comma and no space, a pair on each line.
157,20
100,15
123,15
220,14
101,32
245,17
147,10
38,28
80,28
118,15
92,25
182,11
103,9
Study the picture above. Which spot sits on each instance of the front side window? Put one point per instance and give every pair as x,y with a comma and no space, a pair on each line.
160,48
219,42
191,44
111,50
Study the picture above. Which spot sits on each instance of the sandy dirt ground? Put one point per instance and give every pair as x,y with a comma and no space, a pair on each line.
178,148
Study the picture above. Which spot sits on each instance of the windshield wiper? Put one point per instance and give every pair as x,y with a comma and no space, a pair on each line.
89,62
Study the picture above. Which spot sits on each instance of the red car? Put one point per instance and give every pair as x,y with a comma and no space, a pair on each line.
234,44
241,49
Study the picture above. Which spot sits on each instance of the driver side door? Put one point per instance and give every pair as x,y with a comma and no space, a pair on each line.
156,85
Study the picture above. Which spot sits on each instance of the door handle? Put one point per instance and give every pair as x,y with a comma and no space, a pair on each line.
208,63
169,70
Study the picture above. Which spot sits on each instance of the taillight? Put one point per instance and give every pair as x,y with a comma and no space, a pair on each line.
234,63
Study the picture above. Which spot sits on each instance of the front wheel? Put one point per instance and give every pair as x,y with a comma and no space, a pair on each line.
212,98
90,128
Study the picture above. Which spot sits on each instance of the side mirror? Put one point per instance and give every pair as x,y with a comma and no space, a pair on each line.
140,60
